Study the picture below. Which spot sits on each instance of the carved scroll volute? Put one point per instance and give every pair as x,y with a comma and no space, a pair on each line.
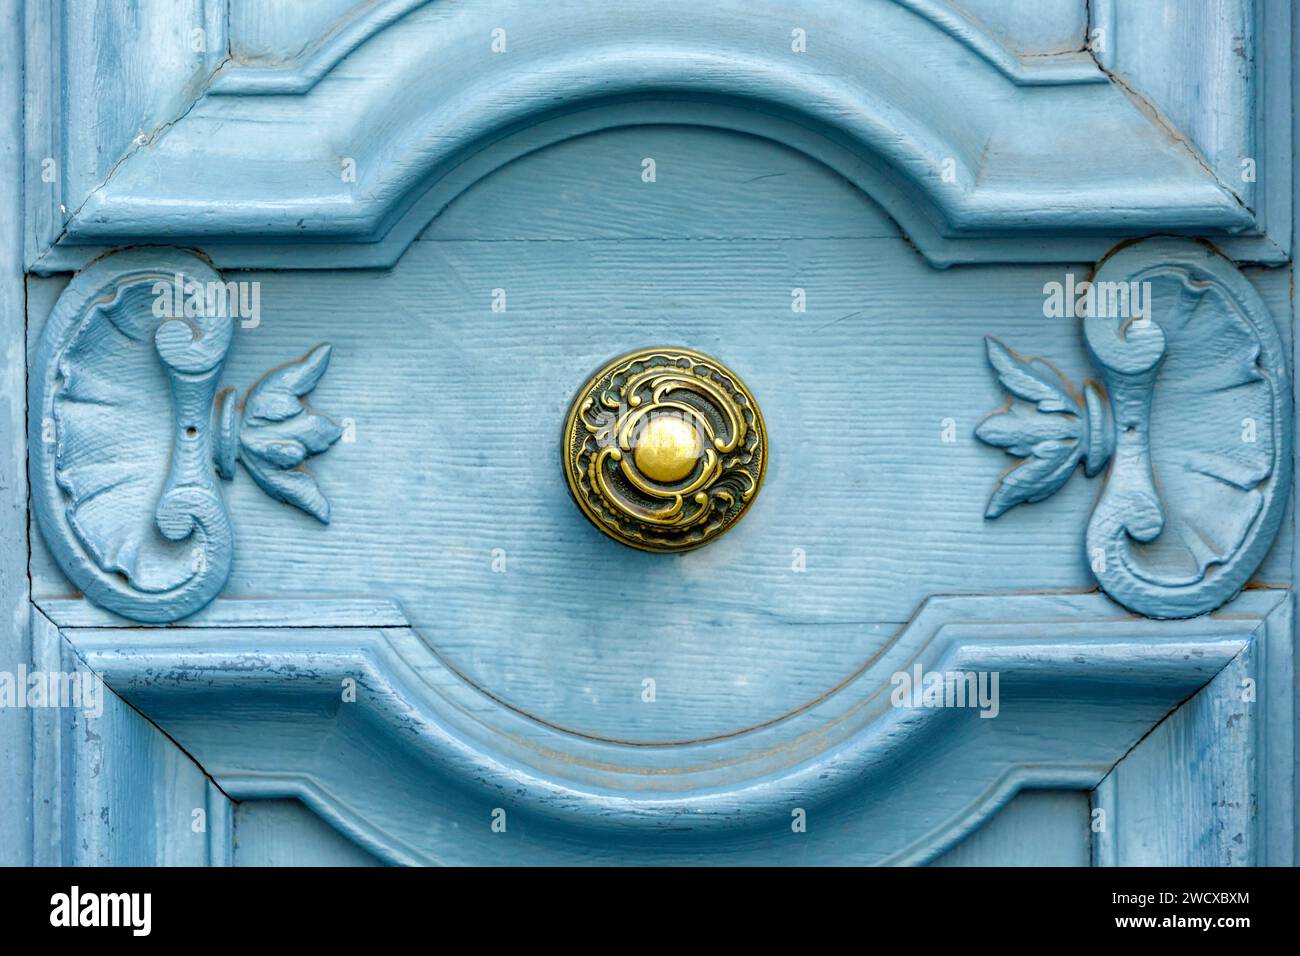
1202,403
124,481
1195,422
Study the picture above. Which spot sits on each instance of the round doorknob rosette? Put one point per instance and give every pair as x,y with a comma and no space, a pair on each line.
664,449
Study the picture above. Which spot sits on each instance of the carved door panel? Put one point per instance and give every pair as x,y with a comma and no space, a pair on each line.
483,433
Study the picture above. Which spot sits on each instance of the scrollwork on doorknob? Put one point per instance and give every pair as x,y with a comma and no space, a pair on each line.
131,508
664,449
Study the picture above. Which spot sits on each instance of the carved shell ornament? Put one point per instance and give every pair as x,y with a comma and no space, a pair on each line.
1194,421
124,456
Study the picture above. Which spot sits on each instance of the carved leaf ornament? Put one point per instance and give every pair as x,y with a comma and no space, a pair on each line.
278,432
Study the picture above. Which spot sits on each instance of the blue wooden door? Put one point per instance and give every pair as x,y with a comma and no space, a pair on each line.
316,563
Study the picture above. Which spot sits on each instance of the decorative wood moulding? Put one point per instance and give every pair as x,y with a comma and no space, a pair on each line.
907,99
1194,420
124,479
298,74
1080,685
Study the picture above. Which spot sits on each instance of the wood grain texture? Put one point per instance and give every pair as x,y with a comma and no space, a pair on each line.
709,185
1216,439
125,491
860,492
1210,100
1037,828
1032,27
286,47
126,468
1234,74
282,47
1170,777
1223,760
110,788
1195,419
233,612
1278,140
523,691
279,35
285,833
101,84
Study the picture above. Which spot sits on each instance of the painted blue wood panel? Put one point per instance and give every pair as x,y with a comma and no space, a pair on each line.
452,250
884,509
1037,828
285,833
109,787
856,779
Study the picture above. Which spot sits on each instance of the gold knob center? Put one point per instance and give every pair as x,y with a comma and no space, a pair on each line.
668,448
664,449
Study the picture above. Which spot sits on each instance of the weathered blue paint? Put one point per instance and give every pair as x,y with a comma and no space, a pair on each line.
382,169
1224,479
1067,427
143,534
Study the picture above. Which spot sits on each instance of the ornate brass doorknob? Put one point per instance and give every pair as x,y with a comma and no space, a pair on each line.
664,449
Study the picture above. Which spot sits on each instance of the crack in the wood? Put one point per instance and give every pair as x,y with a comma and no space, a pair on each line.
140,142
1152,112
